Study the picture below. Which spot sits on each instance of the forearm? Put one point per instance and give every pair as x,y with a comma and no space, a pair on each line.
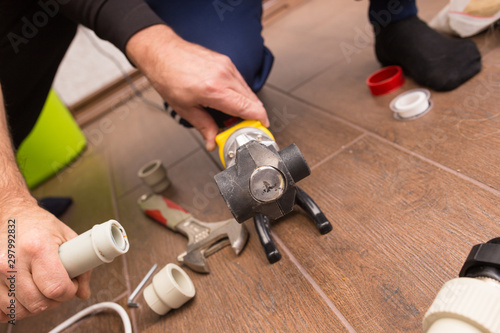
12,184
148,48
113,20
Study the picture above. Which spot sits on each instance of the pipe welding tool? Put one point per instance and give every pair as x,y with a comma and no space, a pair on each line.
470,303
260,180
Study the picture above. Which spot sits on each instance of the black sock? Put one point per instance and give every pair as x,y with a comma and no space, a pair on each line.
55,205
433,60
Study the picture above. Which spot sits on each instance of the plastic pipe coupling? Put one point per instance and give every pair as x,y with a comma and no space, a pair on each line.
471,303
101,244
170,289
262,180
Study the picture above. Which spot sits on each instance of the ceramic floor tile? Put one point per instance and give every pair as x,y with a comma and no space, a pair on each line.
306,41
240,294
459,132
401,228
136,133
403,217
321,34
316,134
87,182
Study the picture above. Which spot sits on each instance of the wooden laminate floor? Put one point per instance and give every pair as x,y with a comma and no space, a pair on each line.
407,199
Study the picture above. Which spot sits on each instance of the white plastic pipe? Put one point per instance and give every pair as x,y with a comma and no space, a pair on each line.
99,245
170,289
465,305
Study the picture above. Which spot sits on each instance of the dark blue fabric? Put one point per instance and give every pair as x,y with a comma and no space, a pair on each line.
384,12
230,27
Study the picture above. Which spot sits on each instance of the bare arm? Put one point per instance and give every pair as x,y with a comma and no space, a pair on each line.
190,77
41,281
187,76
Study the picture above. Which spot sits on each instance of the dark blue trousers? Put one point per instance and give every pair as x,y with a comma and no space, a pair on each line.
230,27
233,28
383,12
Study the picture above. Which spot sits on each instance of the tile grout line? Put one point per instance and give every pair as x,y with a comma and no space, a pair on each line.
128,292
303,83
299,85
439,166
133,188
335,153
316,287
395,145
119,297
117,216
321,109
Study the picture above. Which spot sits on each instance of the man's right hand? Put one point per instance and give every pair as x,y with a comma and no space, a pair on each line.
41,282
190,77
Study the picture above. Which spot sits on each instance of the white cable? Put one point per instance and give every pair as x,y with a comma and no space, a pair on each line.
93,309
123,72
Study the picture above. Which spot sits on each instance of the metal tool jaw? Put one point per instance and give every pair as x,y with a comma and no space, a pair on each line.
260,180
204,239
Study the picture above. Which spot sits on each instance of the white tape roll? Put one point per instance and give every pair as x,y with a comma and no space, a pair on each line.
411,104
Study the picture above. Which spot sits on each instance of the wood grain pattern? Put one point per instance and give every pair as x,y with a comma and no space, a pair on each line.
241,294
401,228
321,35
403,218
136,133
87,182
316,134
459,132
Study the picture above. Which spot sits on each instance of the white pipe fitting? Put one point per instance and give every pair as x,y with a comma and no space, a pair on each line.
99,245
170,289
154,175
465,305
411,104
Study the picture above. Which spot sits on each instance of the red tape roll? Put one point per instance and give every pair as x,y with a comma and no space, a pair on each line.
385,80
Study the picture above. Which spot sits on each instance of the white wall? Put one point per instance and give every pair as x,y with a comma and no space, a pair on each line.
85,69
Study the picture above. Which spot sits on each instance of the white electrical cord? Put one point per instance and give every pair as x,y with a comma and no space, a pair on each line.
93,309
123,72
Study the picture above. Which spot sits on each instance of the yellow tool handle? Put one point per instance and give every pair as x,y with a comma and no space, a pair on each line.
222,137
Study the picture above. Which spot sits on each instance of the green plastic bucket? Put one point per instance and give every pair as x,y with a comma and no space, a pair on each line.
55,141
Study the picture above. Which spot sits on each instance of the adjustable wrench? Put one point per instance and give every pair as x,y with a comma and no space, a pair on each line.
204,239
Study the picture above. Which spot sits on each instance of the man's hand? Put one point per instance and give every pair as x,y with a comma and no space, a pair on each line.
41,282
190,77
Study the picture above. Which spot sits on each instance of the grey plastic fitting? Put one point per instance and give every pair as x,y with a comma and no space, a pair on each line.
154,175
170,289
101,244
